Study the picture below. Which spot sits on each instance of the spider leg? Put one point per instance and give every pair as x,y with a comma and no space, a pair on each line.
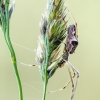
26,64
72,17
71,82
77,76
38,64
65,84
60,88
74,22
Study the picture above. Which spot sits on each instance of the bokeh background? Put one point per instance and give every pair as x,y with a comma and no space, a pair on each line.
24,30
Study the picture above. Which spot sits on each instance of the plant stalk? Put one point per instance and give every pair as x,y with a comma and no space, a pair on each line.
45,74
9,44
44,90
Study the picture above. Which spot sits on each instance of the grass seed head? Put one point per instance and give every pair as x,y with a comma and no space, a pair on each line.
53,27
3,10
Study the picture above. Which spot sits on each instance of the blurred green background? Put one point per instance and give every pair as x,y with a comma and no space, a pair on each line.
24,30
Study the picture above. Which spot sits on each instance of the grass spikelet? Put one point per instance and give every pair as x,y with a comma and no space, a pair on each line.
53,30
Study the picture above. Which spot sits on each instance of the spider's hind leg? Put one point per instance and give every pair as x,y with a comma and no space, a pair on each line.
76,73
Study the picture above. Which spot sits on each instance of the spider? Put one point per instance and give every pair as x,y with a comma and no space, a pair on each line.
70,47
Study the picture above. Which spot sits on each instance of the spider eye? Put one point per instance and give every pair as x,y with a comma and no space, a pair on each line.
74,34
74,26
74,43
